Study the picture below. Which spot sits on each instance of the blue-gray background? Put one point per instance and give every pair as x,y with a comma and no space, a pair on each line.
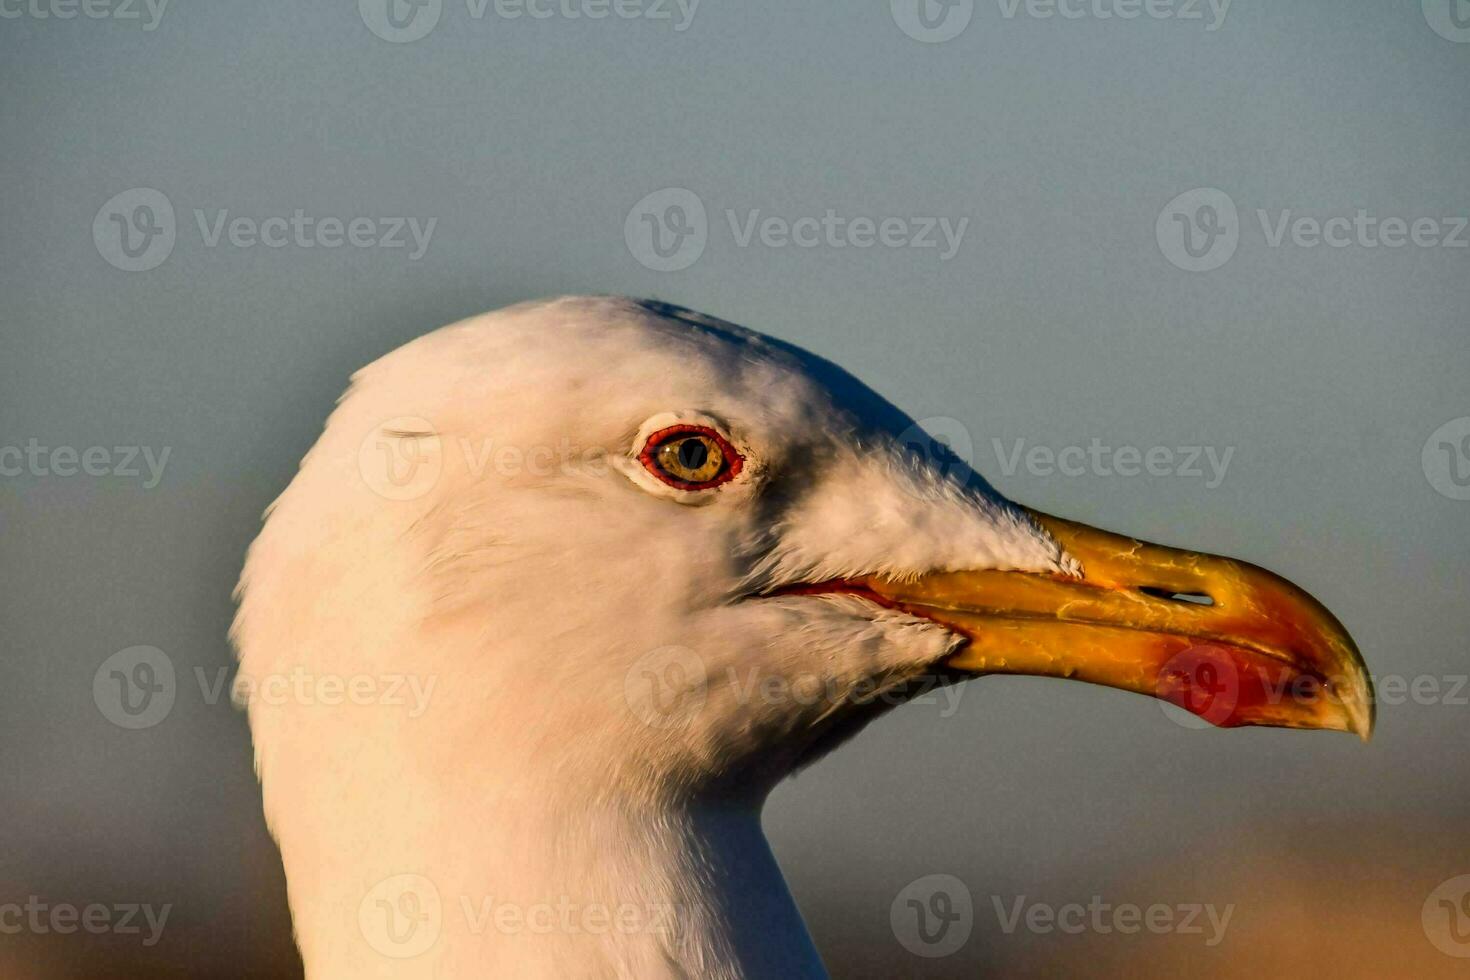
1059,320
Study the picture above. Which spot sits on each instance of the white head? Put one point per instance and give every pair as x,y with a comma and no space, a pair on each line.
588,647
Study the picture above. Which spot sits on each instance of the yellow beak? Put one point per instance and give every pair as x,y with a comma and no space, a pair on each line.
1230,642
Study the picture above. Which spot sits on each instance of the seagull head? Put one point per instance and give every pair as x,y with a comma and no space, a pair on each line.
644,554
717,554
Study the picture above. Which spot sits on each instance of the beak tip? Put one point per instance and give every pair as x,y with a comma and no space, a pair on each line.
1364,722
1360,714
1362,708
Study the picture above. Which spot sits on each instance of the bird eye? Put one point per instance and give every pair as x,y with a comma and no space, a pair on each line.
691,457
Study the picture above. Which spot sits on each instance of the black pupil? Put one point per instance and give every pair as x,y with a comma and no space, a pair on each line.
692,454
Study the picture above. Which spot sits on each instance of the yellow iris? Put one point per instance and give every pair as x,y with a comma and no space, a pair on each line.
692,458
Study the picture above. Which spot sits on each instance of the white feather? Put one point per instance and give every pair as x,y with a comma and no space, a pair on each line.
529,574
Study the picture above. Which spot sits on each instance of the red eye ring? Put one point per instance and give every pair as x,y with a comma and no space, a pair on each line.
733,461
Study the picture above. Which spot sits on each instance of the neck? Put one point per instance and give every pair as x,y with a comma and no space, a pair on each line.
486,833
521,882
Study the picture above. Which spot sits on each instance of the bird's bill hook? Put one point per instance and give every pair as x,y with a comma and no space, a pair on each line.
1226,640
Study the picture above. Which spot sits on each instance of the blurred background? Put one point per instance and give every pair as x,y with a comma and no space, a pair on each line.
1065,230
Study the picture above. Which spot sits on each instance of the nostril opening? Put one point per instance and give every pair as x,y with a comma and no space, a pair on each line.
1196,598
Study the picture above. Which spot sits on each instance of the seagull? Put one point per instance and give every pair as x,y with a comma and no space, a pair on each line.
639,565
